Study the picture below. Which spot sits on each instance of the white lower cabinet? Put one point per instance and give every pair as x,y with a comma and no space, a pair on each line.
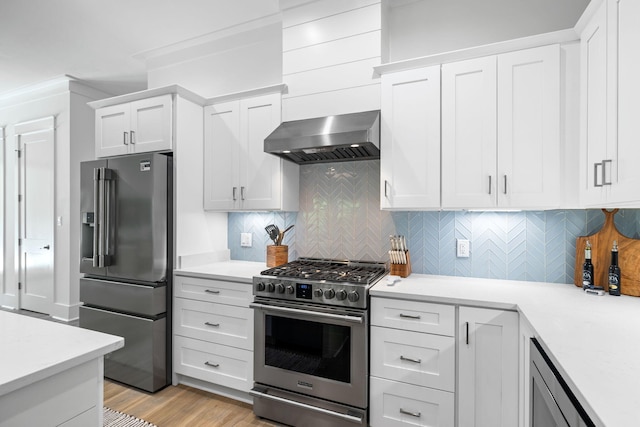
412,371
395,403
487,367
213,335
427,369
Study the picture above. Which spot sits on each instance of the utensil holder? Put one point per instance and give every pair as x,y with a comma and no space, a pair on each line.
402,270
277,255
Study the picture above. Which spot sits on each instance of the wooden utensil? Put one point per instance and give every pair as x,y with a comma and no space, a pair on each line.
281,234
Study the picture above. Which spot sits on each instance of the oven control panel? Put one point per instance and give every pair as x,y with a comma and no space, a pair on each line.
339,294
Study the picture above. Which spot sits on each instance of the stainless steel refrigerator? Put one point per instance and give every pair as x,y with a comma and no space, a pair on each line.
126,257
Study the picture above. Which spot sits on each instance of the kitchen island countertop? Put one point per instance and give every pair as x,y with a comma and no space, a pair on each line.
592,340
35,349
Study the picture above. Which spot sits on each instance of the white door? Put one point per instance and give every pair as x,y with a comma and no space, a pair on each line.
36,205
487,368
410,139
260,173
469,134
529,128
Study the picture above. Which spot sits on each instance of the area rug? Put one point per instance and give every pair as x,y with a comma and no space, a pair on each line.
118,419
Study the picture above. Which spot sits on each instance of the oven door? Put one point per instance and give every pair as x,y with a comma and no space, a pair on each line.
316,351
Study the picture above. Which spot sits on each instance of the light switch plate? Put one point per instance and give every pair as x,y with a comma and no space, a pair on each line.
462,248
245,240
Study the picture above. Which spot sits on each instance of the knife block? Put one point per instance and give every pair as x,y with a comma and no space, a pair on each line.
277,255
402,270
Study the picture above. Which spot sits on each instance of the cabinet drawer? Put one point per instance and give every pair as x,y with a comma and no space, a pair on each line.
398,404
412,357
220,291
215,363
217,323
413,316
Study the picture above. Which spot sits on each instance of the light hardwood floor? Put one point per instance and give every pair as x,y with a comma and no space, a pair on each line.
180,406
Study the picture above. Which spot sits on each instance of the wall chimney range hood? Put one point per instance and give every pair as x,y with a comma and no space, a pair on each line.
344,137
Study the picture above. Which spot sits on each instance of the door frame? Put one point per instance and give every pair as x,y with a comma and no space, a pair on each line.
42,125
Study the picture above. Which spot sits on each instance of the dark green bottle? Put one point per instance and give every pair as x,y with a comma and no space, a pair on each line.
614,271
587,268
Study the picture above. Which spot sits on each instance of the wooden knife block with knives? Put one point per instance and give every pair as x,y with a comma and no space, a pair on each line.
601,244
399,256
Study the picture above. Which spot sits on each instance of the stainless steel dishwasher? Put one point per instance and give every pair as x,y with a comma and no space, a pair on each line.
553,404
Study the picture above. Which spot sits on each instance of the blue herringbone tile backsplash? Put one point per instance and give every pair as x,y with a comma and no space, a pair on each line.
340,218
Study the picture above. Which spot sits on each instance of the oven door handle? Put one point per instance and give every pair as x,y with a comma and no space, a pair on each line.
277,309
350,418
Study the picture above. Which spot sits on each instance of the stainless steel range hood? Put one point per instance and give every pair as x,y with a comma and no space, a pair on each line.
344,137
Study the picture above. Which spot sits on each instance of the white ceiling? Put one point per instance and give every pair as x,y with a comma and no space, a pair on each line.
105,42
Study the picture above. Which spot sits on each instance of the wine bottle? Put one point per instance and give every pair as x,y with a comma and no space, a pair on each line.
614,271
587,268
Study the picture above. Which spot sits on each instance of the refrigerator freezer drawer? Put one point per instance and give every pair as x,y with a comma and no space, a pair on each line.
124,297
142,362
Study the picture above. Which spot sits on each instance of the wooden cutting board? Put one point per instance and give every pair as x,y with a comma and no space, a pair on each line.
601,244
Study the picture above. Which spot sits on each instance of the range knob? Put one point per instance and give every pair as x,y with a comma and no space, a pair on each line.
289,289
260,286
280,288
318,292
329,293
353,296
270,287
341,294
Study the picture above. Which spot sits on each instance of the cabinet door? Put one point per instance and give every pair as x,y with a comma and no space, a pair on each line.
487,368
469,134
529,128
221,139
113,130
410,139
593,53
260,173
623,18
151,124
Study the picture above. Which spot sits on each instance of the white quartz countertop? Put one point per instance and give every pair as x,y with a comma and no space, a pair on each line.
594,341
225,270
33,349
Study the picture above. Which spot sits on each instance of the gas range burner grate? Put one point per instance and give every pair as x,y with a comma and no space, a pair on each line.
355,272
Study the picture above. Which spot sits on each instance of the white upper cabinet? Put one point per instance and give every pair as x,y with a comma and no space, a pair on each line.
134,127
410,140
610,67
469,134
238,174
501,144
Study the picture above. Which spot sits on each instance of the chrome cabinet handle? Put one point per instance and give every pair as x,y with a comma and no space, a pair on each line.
241,193
409,359
47,247
386,188
213,365
595,174
211,291
133,137
413,414
212,324
409,316
234,193
126,138
489,184
604,171
505,184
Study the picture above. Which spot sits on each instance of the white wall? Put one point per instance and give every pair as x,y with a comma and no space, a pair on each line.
425,27
234,64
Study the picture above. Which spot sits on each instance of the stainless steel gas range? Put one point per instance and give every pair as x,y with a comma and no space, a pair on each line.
311,360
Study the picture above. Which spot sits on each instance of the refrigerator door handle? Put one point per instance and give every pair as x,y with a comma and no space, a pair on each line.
96,223
106,178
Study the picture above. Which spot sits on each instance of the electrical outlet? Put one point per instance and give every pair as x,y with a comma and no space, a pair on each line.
245,240
462,248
